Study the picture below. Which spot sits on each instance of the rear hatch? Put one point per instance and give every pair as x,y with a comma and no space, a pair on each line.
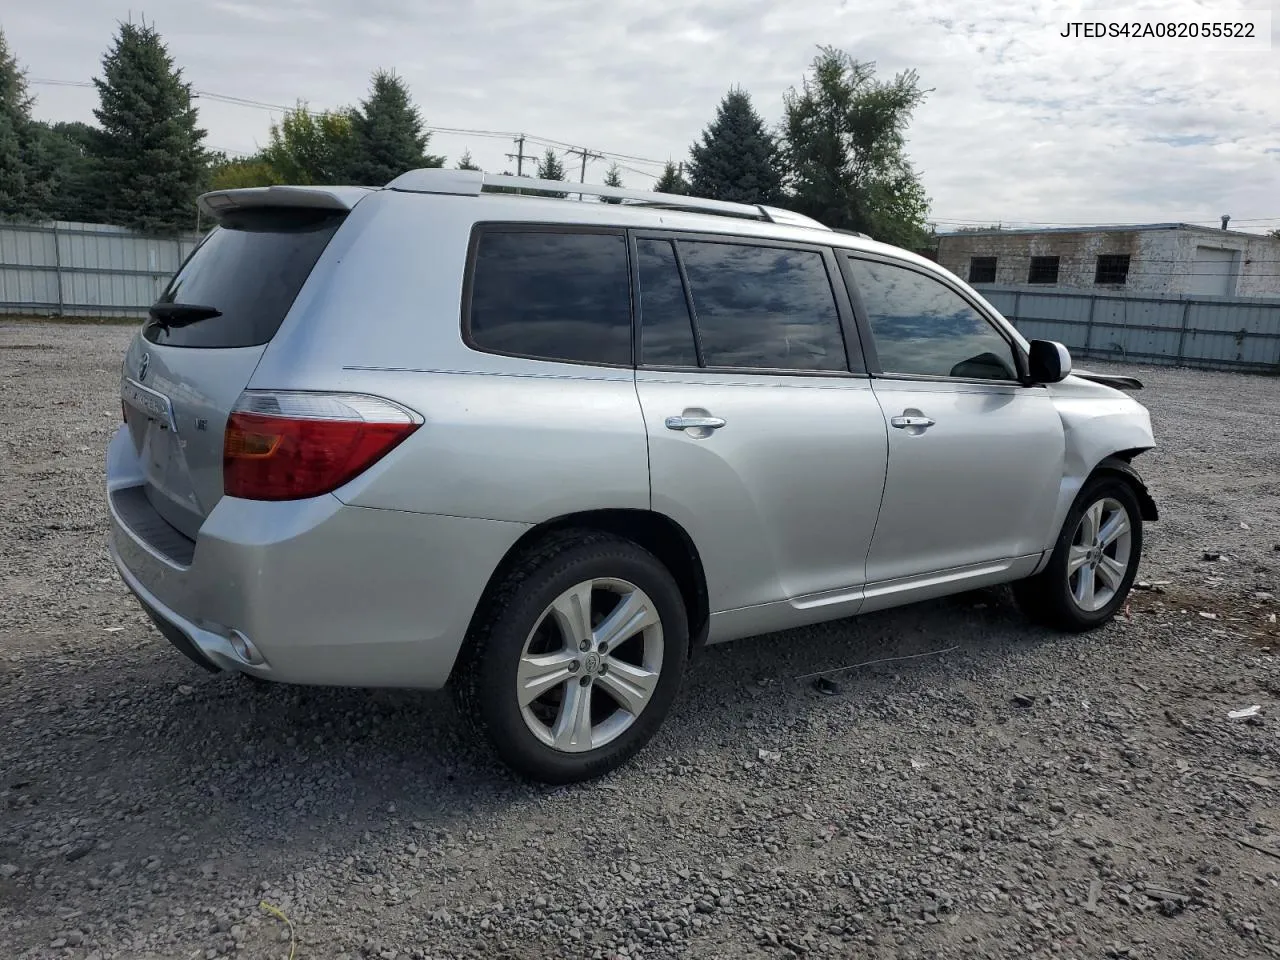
207,332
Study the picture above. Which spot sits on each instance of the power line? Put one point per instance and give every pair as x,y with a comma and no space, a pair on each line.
448,131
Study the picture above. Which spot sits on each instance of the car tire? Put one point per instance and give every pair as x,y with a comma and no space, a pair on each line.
561,697
1088,576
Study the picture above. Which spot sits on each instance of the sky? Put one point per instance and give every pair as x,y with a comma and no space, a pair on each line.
1022,126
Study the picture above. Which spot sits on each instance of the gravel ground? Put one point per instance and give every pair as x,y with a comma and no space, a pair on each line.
1023,795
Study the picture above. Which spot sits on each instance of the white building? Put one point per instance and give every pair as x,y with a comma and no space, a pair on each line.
1160,259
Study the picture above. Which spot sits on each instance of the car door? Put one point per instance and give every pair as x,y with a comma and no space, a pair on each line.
975,456
764,443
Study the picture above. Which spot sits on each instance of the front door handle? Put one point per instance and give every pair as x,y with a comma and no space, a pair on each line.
695,423
905,422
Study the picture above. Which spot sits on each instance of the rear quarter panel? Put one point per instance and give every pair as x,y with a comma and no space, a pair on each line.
504,438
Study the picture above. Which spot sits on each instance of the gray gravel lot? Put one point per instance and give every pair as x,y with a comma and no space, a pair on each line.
1025,795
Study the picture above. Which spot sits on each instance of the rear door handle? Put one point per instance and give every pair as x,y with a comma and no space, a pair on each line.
693,423
904,422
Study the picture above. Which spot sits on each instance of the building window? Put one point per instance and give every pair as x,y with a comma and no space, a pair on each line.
1113,268
1043,270
982,269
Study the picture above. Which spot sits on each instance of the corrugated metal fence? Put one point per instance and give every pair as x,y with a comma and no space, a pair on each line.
1211,332
84,269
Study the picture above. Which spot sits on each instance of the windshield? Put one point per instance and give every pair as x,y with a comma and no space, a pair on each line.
242,279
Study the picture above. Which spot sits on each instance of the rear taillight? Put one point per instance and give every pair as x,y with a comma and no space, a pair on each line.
282,445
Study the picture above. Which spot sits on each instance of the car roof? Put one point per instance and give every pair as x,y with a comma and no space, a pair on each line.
497,199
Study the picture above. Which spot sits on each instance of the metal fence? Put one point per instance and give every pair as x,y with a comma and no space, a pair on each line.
84,269
1221,333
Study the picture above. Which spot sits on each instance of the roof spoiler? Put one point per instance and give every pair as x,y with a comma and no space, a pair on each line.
218,202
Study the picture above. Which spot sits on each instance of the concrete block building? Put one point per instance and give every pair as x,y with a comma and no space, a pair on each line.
1159,259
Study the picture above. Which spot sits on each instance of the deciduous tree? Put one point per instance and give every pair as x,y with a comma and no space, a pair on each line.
306,147
845,147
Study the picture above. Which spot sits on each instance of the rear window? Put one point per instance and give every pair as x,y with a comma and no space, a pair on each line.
249,270
552,295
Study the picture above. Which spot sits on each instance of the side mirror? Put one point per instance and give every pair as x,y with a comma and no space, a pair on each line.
1049,361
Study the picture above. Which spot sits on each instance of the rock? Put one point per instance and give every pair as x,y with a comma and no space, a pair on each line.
82,849
826,686
1023,700
7,870
1095,891
1211,555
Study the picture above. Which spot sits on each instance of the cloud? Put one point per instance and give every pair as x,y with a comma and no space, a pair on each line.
1021,124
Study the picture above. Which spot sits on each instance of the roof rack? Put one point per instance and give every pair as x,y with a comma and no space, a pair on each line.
472,183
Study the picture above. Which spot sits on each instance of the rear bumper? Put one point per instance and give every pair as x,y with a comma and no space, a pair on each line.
325,593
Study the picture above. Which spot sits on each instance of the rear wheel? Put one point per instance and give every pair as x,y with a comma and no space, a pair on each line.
1094,561
575,658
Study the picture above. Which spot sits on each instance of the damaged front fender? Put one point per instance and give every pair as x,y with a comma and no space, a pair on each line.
1104,429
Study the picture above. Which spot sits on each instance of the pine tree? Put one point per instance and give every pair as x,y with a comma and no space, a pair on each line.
25,185
612,179
846,150
150,158
672,181
550,168
738,158
465,163
388,134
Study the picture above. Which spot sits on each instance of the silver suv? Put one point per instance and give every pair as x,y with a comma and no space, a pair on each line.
462,430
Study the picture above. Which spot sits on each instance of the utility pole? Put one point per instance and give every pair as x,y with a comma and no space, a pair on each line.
518,157
586,155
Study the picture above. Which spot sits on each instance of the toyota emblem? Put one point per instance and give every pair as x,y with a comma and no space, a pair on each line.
143,364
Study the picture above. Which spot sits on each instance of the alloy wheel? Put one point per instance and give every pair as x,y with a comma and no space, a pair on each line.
1100,553
590,665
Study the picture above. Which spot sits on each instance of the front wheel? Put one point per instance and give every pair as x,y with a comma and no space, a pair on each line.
1094,561
575,658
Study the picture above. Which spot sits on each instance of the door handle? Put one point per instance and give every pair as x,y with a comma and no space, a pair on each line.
695,423
905,422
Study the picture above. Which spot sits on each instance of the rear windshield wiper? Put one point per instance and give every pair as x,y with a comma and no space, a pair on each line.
171,315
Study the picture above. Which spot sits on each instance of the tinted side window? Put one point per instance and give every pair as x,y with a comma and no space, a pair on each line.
249,271
554,296
763,307
666,333
922,326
